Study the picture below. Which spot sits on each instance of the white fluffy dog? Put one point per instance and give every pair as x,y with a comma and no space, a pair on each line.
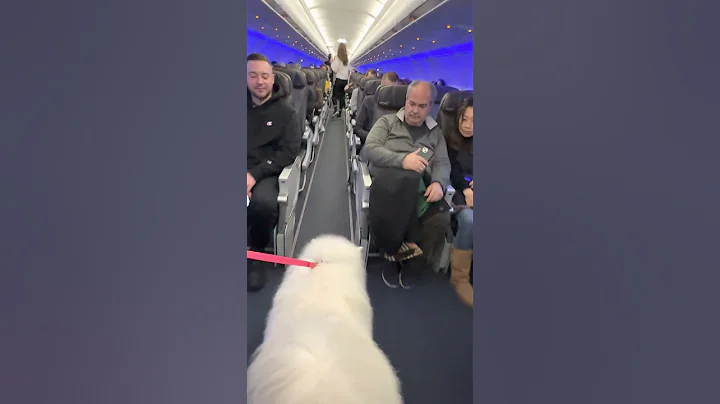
318,346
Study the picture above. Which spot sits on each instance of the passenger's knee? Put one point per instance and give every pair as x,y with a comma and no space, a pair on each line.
263,206
465,217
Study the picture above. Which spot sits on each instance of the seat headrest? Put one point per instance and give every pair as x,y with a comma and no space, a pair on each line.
371,86
452,101
364,81
283,84
309,76
279,64
391,97
298,77
405,81
442,90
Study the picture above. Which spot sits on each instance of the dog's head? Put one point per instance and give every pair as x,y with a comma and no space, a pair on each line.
333,249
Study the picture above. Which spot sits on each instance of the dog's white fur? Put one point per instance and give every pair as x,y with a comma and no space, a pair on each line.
318,346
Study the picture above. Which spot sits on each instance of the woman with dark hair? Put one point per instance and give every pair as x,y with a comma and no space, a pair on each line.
459,141
341,69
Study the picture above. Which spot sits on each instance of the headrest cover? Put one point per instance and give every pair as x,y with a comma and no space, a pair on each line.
452,101
310,76
362,83
371,86
391,97
442,90
297,77
283,83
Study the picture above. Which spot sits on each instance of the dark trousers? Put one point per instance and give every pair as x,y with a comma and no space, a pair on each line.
339,92
393,216
262,213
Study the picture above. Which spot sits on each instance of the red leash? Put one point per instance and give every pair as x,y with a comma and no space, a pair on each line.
277,259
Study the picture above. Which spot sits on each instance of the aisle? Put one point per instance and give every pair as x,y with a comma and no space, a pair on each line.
326,207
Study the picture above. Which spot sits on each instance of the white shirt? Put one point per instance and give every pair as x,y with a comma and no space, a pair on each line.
342,72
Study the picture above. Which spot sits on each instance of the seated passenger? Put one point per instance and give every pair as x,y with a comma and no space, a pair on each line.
364,117
273,140
408,161
327,81
460,150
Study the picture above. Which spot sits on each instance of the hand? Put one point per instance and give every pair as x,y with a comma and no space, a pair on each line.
434,192
468,192
250,184
471,187
414,162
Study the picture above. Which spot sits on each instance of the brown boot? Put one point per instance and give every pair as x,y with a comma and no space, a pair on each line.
460,265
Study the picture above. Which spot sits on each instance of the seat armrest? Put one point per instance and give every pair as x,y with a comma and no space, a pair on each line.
449,194
366,184
289,186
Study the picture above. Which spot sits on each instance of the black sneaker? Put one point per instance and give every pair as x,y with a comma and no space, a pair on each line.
256,276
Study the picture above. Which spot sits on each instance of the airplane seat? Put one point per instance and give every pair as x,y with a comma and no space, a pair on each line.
321,111
441,91
405,82
299,92
448,107
388,100
371,87
318,88
446,118
284,83
361,90
300,98
310,78
322,81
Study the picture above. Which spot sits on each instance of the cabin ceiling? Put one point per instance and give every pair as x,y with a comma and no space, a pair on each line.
358,23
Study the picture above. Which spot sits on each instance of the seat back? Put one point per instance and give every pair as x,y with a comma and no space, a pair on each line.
441,91
388,100
299,92
405,81
449,105
284,85
361,90
371,87
314,98
321,79
356,79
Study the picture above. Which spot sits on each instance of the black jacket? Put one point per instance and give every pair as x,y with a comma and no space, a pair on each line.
274,136
461,172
